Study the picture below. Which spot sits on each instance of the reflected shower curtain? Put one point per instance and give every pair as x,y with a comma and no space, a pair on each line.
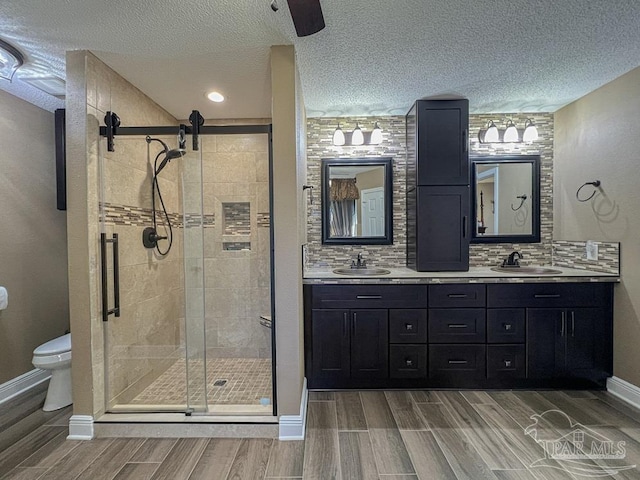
343,221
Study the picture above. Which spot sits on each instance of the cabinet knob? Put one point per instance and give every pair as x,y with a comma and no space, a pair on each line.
408,326
508,327
507,363
408,362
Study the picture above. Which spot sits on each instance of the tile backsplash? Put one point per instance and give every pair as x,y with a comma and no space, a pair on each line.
319,133
572,254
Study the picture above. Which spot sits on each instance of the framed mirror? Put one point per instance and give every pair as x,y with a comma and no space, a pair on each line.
357,201
506,199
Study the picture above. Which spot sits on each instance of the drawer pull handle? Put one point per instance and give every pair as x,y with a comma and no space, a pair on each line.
507,363
457,295
408,326
457,325
547,295
408,362
458,362
369,297
507,326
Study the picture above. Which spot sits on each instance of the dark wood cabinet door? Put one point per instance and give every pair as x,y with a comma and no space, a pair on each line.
588,334
546,329
442,229
369,343
330,344
442,142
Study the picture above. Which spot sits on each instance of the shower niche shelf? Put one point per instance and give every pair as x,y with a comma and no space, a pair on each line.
236,246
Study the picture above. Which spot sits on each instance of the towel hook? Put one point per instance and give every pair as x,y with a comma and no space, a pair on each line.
310,188
522,199
595,183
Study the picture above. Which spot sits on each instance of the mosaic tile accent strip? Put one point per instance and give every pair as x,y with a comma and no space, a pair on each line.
264,219
572,254
236,246
248,380
141,217
319,132
236,218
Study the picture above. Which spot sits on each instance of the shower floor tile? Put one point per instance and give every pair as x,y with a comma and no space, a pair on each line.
245,381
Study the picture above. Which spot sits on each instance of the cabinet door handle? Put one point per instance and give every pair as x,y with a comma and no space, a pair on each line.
369,297
345,325
573,323
563,323
458,362
457,325
457,295
464,227
355,323
547,295
465,141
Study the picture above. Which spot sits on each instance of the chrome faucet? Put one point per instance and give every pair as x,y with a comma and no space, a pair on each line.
511,260
360,263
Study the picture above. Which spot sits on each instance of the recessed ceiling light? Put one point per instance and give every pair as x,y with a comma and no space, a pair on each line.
215,97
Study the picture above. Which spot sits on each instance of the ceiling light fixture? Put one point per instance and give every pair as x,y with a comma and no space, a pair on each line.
357,137
215,97
510,134
10,60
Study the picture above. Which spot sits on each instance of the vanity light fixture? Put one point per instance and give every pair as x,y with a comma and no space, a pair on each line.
10,60
357,137
510,134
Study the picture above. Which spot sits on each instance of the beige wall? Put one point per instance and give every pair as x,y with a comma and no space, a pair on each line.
33,242
596,138
289,173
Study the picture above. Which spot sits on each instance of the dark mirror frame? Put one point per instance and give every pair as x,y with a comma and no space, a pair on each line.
385,162
534,237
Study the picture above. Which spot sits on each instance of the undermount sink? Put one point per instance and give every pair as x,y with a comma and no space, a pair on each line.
527,270
361,271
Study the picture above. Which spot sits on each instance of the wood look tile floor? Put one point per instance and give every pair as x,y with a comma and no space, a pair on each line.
352,435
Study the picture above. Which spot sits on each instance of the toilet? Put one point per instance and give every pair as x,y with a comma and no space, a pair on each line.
55,356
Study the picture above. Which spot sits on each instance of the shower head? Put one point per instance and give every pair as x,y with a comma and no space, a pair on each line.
168,156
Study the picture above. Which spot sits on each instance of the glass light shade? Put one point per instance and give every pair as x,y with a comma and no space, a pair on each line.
357,137
338,136
511,133
376,135
492,135
530,132
10,60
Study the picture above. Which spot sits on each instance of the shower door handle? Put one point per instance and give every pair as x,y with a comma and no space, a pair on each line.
106,311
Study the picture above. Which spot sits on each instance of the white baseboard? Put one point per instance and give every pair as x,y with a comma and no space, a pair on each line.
624,390
21,384
80,427
292,427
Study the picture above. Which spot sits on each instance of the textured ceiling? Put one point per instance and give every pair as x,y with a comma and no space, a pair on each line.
374,57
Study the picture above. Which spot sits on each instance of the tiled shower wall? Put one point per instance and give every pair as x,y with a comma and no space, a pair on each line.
319,133
236,248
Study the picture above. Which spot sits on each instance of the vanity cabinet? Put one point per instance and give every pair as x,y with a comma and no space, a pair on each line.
511,335
438,202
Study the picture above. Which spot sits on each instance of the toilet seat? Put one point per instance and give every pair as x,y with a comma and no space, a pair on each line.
56,346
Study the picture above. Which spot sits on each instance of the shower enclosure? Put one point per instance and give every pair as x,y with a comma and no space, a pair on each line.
189,331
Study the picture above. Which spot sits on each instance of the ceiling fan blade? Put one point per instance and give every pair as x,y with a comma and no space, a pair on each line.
307,16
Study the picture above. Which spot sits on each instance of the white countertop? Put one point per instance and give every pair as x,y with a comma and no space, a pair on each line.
475,274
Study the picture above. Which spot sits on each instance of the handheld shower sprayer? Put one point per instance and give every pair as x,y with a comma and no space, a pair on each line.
150,236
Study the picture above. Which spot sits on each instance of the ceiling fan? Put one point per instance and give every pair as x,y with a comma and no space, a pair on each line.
307,16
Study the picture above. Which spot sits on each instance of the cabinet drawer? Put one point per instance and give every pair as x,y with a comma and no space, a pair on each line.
408,361
457,296
549,295
369,296
457,362
505,325
407,326
506,361
453,325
